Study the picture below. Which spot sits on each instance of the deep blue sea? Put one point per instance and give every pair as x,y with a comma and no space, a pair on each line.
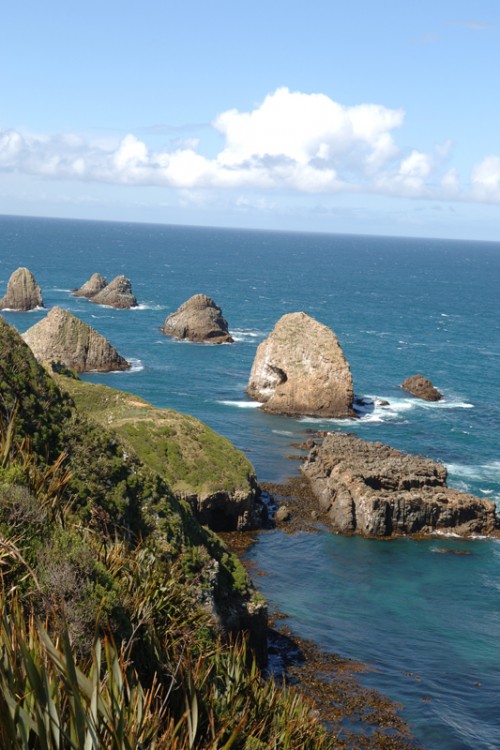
428,624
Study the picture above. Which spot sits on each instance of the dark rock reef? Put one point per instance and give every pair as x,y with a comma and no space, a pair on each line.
198,319
61,337
118,293
300,369
93,286
23,293
421,387
374,490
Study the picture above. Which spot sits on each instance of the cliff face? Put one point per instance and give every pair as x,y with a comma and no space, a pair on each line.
300,369
374,490
61,337
23,293
118,293
198,319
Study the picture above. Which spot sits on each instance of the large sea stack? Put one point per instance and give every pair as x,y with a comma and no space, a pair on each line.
198,319
374,490
93,286
61,337
300,369
23,293
118,293
421,387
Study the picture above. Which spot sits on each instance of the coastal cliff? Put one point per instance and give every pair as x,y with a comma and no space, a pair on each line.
91,528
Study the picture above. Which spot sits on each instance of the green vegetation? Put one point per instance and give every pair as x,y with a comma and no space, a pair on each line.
122,618
192,458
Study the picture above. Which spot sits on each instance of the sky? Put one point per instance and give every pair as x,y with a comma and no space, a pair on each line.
362,117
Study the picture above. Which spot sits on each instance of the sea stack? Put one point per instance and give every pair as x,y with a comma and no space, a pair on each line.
118,293
23,293
61,337
198,319
93,286
376,491
421,387
300,369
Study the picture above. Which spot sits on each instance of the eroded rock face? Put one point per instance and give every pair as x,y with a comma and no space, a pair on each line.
198,319
61,337
118,293
421,387
93,286
374,490
300,369
23,293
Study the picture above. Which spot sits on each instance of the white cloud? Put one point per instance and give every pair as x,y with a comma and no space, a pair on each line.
485,179
292,141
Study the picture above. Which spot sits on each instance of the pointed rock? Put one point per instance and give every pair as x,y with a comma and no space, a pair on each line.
23,293
198,319
93,286
118,293
300,369
421,387
61,337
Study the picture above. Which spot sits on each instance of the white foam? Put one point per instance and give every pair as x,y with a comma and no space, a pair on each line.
144,306
135,366
241,404
489,472
287,433
246,334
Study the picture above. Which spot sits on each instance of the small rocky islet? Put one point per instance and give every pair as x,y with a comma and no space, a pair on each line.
23,293
200,320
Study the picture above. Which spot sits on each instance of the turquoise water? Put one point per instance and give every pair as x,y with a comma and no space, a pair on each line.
428,623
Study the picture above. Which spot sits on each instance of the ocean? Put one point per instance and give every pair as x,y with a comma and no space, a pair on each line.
427,624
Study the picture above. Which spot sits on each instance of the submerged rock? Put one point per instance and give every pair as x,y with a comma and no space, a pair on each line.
23,293
198,319
118,293
421,387
61,337
93,286
300,369
374,490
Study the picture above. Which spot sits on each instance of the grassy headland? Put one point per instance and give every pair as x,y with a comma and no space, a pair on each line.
124,619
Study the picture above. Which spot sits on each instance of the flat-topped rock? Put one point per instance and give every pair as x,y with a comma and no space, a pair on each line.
118,293
61,337
198,319
23,293
300,369
421,387
93,286
374,490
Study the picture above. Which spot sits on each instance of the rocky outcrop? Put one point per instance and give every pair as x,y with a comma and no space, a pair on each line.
23,293
61,337
374,490
198,319
300,369
118,293
93,286
421,387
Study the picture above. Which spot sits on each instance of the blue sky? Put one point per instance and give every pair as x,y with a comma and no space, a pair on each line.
366,117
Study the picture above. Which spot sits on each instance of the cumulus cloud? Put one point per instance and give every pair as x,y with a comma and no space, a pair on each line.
485,179
290,141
